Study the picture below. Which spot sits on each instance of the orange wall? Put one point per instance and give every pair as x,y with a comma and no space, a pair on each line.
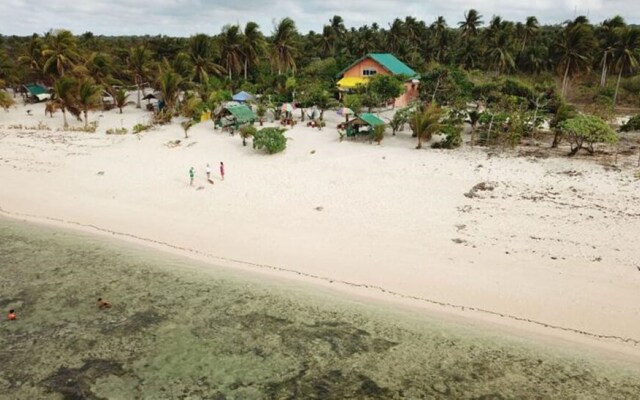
356,70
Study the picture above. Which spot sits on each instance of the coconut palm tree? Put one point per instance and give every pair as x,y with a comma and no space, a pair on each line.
625,54
440,37
121,98
88,98
253,46
472,21
499,51
284,51
231,49
64,100
200,55
531,28
138,62
169,83
425,122
60,53
574,47
33,58
607,37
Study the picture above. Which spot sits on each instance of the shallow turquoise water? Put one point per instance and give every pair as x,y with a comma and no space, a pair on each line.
178,333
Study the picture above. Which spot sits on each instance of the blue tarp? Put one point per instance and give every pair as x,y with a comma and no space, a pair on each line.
242,96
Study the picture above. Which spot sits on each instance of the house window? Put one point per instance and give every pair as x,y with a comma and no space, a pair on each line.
369,72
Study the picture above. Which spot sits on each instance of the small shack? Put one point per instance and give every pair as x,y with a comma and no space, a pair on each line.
36,93
362,124
234,115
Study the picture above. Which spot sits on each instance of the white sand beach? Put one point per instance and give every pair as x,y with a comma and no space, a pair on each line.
551,249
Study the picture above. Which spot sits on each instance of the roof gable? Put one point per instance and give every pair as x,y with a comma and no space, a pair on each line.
388,61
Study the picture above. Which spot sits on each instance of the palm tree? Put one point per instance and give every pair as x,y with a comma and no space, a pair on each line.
607,37
33,57
63,89
625,54
121,98
253,46
200,56
169,83
396,36
425,122
499,51
88,98
574,46
60,53
231,49
439,28
531,28
138,60
284,51
469,27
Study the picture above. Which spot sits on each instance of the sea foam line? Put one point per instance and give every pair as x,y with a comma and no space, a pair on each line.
443,304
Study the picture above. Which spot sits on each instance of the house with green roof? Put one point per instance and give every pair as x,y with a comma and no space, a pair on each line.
373,64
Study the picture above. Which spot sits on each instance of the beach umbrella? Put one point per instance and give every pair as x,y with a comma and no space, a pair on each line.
345,111
288,107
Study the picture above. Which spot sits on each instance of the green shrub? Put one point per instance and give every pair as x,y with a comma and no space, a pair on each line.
633,124
117,131
452,137
137,128
584,131
271,139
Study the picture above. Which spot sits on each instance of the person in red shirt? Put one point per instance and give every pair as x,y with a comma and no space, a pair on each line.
12,315
222,170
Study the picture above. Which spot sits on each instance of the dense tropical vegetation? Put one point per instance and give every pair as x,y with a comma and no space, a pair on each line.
507,68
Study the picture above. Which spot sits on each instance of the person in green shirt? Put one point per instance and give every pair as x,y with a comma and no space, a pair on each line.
192,174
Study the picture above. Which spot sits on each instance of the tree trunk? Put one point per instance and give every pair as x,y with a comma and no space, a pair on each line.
120,110
138,103
564,80
321,114
64,118
86,118
603,76
615,95
246,64
244,141
419,146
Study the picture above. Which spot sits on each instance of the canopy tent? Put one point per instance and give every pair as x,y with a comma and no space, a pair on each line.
242,97
347,83
366,120
37,92
234,114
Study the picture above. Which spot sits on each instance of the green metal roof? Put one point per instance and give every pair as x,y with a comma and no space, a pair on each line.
395,66
36,89
242,113
371,119
389,62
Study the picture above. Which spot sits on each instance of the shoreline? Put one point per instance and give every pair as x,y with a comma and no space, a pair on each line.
613,349
550,242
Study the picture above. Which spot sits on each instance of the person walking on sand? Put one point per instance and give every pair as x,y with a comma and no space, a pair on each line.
208,172
221,170
12,315
103,304
192,173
